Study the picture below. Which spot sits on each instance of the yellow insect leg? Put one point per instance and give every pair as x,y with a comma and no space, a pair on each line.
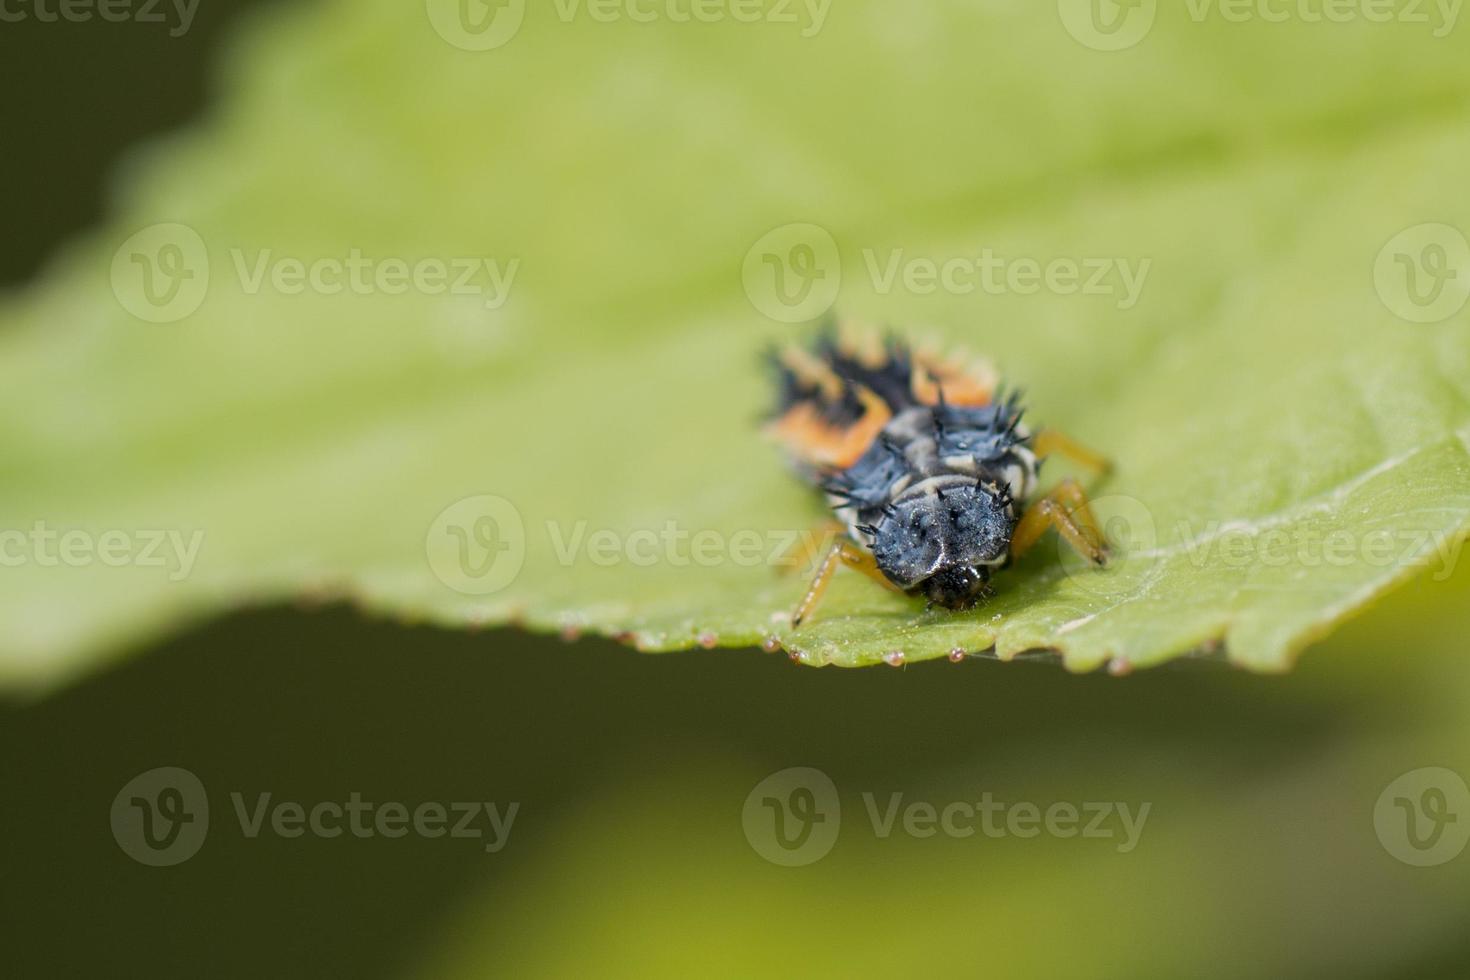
842,552
1050,442
1066,509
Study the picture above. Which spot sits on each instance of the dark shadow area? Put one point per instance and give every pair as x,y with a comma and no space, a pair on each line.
80,93
316,707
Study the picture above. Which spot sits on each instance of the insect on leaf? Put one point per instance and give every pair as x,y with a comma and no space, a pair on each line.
383,328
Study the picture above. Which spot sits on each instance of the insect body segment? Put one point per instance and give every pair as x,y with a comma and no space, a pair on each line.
922,462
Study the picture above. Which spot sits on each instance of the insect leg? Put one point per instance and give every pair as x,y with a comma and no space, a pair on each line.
1069,494
1066,509
1050,442
842,552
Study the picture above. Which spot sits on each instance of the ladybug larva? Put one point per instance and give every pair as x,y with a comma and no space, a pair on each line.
926,465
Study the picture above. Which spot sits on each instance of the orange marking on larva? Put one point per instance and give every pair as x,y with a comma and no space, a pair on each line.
803,430
970,385
857,439
808,435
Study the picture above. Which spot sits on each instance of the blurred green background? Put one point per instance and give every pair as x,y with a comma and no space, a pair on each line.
629,855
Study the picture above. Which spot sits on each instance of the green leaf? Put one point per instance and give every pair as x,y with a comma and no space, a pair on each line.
1275,410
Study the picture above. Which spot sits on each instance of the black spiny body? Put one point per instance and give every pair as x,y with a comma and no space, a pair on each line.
920,460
